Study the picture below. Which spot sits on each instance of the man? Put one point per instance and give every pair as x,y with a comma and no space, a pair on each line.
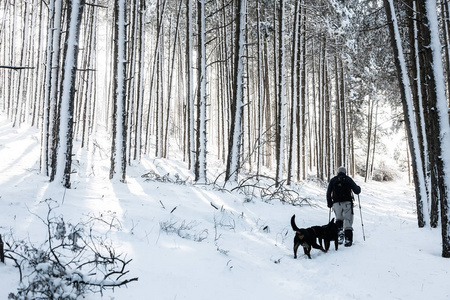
339,196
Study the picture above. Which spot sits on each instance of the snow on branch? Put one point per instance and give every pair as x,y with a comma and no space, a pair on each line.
71,262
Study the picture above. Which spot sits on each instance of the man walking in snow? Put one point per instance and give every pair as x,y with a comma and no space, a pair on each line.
339,196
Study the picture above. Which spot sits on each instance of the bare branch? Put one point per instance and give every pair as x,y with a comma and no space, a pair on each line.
15,67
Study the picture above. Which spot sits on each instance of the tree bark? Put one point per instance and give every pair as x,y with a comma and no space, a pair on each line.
294,90
66,107
200,164
438,110
402,74
118,146
235,144
281,97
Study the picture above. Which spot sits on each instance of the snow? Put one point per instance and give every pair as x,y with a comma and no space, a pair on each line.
226,253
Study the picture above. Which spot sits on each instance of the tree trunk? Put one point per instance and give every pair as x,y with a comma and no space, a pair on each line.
171,71
140,81
235,144
190,86
281,97
438,110
417,96
413,142
294,90
369,137
118,147
343,114
304,114
260,91
200,164
66,107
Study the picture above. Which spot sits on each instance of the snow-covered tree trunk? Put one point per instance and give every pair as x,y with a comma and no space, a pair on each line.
314,122
118,147
66,107
151,114
322,84
268,112
32,82
341,114
42,63
438,110
338,116
158,70
416,89
369,135
3,49
405,91
294,94
303,111
170,84
47,87
190,86
12,55
12,84
200,164
54,86
132,74
141,76
328,136
160,95
374,137
281,97
235,143
85,119
20,113
260,110
445,6
343,102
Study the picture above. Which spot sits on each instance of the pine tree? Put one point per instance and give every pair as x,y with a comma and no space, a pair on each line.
119,130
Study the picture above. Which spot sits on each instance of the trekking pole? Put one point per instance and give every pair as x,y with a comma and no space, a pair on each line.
362,224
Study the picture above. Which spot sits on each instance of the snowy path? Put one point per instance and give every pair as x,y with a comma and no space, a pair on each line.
237,258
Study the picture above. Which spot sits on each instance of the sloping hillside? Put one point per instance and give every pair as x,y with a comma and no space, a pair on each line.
191,241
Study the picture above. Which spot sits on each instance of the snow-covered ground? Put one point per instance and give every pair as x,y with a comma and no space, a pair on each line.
243,250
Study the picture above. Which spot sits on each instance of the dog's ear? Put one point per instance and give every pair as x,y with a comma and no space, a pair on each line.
332,220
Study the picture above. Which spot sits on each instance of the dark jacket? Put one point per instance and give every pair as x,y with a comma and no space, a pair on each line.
352,187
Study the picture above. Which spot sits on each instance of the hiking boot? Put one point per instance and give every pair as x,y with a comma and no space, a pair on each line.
340,225
348,238
341,237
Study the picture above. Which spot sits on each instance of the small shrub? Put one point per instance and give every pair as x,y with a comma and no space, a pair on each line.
184,230
70,263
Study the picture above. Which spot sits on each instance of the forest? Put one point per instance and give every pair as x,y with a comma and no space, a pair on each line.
290,89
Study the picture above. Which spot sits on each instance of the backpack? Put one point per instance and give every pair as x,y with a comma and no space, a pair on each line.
341,189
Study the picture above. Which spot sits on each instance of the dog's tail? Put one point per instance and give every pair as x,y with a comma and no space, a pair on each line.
294,226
